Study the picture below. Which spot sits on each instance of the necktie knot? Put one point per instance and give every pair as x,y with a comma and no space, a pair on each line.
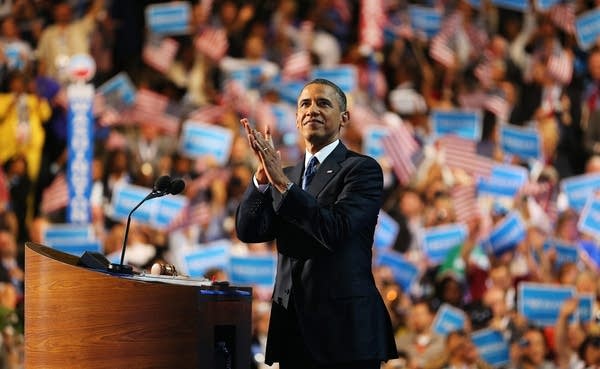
311,170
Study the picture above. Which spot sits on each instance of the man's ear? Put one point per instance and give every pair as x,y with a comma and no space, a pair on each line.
345,118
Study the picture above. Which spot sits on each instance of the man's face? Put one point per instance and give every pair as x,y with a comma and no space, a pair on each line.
319,116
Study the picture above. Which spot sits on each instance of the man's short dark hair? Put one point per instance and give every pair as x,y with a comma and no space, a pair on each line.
338,91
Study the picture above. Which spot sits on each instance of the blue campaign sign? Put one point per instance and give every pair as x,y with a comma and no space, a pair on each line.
541,303
405,272
579,188
491,346
118,92
448,319
345,76
386,231
587,28
253,270
205,257
80,147
289,91
496,187
285,118
78,248
60,234
371,143
589,221
591,249
522,142
438,241
168,208
547,4
519,5
507,234
426,20
510,173
200,139
585,309
171,18
466,124
126,197
565,252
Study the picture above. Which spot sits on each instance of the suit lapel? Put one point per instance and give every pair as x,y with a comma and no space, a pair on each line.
327,170
295,173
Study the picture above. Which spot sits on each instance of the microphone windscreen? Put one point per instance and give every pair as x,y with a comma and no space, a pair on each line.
176,186
162,184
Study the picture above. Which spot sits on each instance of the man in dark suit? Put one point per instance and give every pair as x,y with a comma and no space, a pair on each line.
326,310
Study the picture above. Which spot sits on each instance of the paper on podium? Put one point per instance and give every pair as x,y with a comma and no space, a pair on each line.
172,279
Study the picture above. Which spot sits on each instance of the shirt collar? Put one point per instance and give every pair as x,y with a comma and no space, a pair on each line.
321,154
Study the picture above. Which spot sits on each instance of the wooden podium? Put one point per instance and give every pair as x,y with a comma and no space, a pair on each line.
82,318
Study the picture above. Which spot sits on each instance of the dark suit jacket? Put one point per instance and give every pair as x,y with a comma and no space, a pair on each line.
324,238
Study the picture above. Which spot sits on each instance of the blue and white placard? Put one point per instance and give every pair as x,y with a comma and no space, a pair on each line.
465,124
519,5
547,4
506,235
438,241
78,248
405,272
386,231
579,188
522,142
587,28
207,256
589,221
80,146
448,319
565,252
585,309
541,303
57,234
118,92
513,174
157,213
496,187
426,20
201,139
172,18
371,142
491,346
345,76
256,270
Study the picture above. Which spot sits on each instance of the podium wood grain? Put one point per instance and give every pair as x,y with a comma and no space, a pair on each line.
80,318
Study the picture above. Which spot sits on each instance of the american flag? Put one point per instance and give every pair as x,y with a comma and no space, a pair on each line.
372,22
296,66
461,153
148,105
560,67
400,146
464,198
236,97
160,55
478,38
208,113
56,195
213,43
497,105
563,15
362,117
440,50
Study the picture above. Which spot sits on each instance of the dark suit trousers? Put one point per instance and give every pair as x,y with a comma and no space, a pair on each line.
295,354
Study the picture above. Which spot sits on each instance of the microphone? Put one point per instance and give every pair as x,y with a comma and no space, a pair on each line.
164,185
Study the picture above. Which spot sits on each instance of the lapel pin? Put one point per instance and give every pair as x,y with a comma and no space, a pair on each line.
330,171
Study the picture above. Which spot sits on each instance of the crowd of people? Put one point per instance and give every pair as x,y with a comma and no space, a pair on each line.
524,67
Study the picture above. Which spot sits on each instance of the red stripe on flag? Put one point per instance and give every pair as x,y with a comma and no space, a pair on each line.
399,146
464,198
213,43
461,153
56,195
